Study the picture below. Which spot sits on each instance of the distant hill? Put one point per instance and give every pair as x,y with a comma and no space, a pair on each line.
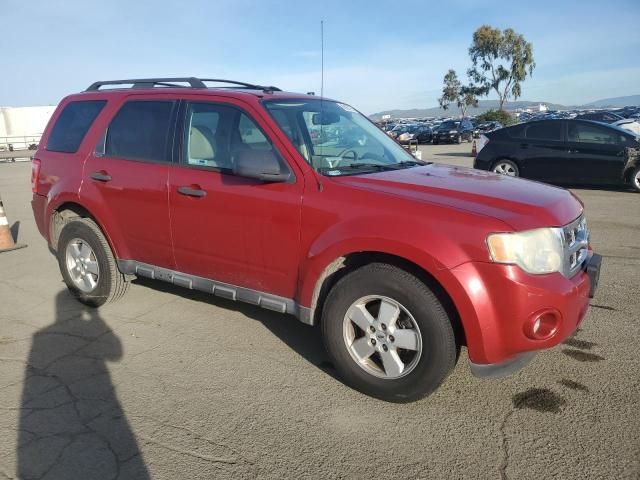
615,102
484,105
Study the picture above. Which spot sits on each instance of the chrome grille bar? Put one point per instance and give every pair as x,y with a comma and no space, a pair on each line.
575,242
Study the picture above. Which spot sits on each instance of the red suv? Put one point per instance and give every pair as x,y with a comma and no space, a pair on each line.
301,205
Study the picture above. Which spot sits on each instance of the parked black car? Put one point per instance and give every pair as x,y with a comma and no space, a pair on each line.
453,131
563,151
602,117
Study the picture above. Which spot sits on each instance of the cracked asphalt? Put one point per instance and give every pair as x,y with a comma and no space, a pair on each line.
172,384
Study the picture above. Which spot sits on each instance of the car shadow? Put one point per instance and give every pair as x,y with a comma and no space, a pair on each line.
71,422
604,188
303,339
454,154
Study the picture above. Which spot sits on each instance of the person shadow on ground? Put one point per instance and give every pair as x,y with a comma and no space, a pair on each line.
72,425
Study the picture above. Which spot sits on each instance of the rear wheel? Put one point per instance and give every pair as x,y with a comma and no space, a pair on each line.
387,334
87,264
506,167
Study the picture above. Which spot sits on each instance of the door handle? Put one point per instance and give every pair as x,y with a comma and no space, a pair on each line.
101,176
572,151
191,192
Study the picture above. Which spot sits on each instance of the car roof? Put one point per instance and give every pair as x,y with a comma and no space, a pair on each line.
240,93
180,86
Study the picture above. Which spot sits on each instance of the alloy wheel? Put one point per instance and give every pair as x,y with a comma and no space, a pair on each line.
505,168
382,337
82,265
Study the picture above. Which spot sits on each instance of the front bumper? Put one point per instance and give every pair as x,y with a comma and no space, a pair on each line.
496,303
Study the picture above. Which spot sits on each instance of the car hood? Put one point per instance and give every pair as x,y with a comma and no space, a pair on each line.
522,204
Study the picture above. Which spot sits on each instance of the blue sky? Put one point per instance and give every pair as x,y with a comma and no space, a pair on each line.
378,54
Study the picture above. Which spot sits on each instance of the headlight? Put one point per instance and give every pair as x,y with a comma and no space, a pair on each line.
535,251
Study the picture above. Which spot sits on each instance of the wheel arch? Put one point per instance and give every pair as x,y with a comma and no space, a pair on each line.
60,216
347,263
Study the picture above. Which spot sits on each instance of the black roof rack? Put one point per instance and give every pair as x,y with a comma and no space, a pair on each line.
174,82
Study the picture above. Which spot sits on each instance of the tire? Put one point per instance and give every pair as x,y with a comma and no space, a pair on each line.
110,284
459,139
425,323
435,142
635,179
506,167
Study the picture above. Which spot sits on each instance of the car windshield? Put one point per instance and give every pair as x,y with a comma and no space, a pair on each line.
335,139
449,124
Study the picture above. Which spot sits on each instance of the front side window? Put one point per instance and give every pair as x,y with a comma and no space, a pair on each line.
216,135
73,124
585,133
335,139
140,131
545,131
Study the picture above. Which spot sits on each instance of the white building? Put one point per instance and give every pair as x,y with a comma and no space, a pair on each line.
21,126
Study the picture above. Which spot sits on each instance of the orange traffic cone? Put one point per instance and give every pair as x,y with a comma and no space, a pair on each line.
474,150
6,238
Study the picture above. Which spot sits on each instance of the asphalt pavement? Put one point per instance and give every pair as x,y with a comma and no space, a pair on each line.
173,384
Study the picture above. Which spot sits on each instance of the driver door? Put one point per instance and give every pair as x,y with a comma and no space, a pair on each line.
225,227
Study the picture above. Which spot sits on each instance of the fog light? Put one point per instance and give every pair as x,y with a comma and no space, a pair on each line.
542,325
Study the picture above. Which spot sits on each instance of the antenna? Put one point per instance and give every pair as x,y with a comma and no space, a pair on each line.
321,58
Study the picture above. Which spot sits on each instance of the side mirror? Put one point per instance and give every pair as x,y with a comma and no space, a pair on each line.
261,165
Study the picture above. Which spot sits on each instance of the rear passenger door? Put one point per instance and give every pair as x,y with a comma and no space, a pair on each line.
542,150
229,228
125,178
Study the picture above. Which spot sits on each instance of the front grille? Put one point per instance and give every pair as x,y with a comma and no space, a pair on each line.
575,243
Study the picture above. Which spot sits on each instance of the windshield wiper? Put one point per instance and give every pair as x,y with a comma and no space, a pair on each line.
376,167
372,167
411,163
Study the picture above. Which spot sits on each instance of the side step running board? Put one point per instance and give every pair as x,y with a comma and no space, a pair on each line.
224,290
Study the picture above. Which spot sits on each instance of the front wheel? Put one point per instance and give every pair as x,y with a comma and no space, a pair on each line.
87,264
387,334
506,167
635,179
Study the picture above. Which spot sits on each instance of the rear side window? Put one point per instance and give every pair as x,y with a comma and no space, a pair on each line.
516,131
73,124
545,131
140,131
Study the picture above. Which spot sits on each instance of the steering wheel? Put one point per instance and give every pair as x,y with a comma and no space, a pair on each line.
343,154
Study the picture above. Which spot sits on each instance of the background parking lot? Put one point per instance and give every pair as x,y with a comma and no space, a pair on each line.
206,388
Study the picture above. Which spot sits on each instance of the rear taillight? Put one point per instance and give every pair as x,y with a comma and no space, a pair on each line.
482,142
35,174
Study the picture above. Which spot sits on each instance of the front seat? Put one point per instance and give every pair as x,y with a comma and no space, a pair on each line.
202,148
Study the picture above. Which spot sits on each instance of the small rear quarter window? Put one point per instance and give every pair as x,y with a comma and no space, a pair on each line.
73,124
516,131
